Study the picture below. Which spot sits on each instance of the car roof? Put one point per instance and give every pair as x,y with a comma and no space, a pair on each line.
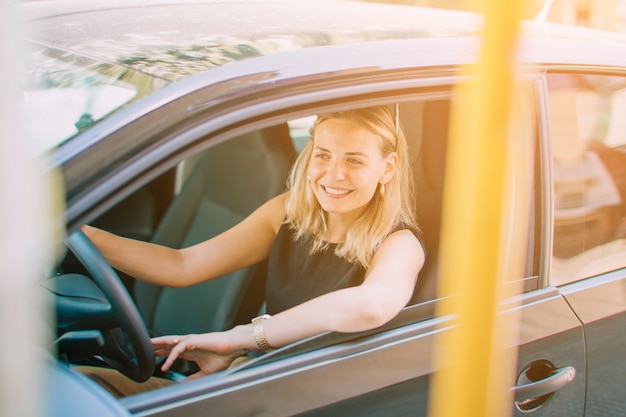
172,40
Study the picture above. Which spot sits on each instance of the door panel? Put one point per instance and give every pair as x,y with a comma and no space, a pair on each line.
588,155
600,302
339,374
408,398
382,374
551,333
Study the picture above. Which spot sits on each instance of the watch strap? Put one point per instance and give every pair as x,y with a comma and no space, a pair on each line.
259,333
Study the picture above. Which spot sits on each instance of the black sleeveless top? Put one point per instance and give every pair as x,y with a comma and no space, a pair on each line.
295,276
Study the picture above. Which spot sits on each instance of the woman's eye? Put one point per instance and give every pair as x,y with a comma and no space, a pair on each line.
322,156
355,161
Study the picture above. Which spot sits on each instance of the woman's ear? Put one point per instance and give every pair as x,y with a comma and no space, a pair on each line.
390,167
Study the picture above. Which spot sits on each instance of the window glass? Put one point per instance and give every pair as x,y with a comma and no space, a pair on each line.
426,125
300,131
588,134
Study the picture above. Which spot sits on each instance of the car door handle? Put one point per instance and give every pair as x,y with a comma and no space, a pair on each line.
558,379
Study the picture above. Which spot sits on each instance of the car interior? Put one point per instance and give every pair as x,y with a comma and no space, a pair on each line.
212,191
225,184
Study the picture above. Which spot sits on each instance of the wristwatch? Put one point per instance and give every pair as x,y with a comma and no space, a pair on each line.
259,333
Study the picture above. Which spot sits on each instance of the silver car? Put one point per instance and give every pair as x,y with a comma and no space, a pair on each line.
170,122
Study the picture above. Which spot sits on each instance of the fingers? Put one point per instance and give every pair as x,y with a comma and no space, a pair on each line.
201,349
175,352
169,346
166,340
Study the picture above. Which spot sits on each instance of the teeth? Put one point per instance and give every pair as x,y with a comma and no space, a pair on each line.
335,191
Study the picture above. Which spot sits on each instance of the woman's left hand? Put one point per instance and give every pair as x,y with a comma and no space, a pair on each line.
211,351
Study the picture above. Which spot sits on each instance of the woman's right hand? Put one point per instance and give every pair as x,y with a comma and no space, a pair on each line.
212,352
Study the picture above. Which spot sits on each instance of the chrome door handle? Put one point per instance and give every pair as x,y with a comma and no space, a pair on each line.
558,379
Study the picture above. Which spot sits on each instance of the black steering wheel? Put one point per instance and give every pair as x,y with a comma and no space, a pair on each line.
99,320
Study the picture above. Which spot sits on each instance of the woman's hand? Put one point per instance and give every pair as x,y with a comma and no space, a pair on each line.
212,352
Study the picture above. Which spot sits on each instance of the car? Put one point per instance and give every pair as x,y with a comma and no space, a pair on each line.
169,122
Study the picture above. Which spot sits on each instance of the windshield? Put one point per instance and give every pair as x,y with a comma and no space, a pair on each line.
66,93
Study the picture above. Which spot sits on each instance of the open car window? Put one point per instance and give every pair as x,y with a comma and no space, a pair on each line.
214,189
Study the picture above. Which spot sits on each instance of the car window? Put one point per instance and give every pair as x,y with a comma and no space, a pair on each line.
300,131
426,124
200,202
588,125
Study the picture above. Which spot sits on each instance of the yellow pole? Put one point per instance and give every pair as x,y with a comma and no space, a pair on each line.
471,241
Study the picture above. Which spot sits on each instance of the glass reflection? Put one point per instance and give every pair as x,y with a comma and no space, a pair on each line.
588,132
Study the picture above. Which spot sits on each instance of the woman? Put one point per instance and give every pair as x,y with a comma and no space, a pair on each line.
342,245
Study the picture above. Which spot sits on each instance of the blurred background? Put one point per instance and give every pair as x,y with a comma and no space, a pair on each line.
598,14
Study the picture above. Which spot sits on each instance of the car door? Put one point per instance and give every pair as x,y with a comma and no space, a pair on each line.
387,371
589,254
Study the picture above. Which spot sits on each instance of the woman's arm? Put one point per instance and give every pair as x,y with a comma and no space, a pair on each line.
243,245
386,290
388,287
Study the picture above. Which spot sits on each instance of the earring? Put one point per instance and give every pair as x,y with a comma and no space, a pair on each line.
382,189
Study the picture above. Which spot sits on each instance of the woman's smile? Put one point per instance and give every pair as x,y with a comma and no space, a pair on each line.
339,192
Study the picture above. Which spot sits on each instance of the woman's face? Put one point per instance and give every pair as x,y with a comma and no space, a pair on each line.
347,165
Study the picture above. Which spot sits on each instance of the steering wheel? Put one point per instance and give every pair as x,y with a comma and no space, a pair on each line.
99,320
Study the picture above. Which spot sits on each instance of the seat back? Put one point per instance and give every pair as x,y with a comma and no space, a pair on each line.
426,128
227,182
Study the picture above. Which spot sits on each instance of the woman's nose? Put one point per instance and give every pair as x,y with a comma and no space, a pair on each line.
336,171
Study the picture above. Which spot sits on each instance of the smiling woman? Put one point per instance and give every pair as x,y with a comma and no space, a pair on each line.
343,254
357,168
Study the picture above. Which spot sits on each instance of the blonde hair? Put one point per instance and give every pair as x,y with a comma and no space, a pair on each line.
306,217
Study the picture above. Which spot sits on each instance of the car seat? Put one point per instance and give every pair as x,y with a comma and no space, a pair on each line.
426,126
227,183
